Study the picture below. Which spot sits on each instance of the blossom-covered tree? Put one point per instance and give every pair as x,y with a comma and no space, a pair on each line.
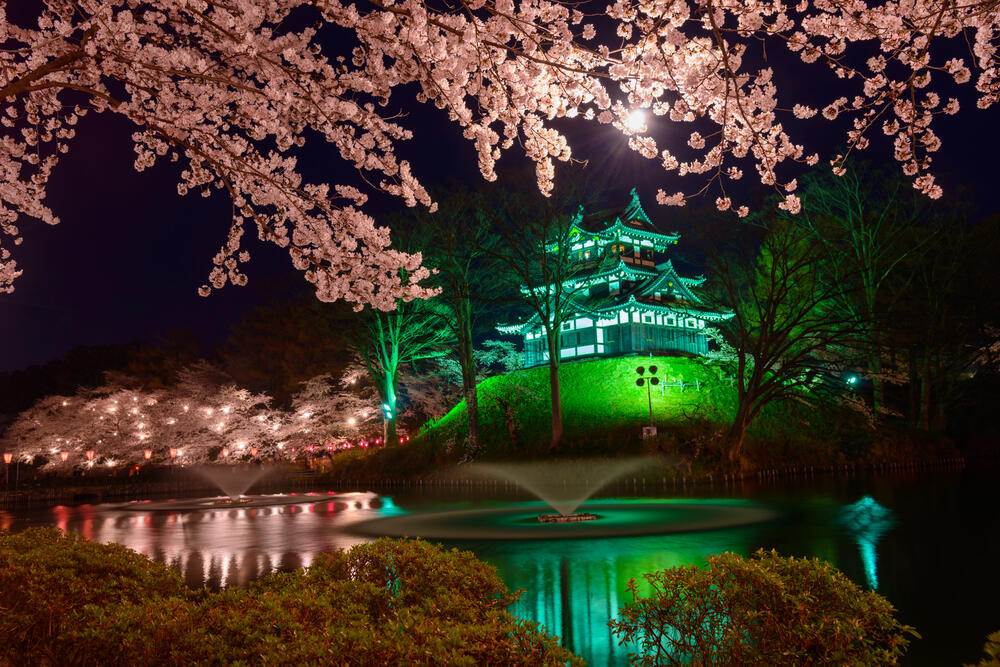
232,89
327,411
202,418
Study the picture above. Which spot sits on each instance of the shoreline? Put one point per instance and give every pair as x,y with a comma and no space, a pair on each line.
106,490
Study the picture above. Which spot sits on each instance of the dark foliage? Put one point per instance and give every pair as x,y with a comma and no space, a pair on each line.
764,610
66,601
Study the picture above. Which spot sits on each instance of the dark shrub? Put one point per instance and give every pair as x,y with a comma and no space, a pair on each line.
392,602
992,651
48,577
764,610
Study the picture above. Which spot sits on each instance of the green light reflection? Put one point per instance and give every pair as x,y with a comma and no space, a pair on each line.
867,521
574,587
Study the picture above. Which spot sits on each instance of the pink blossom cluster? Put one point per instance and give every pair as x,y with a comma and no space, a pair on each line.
230,91
203,414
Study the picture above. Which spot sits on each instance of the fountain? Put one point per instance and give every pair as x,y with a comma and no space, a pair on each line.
234,481
564,487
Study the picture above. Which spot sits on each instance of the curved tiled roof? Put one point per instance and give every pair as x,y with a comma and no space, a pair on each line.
630,218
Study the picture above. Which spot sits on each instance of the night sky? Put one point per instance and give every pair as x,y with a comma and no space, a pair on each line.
129,255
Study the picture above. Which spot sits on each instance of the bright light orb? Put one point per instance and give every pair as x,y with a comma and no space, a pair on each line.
636,121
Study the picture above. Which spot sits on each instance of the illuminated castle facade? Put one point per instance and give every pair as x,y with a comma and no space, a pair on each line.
625,296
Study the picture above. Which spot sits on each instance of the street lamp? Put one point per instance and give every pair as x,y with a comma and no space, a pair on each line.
648,431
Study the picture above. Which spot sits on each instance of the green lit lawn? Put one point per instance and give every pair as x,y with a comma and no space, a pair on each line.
599,398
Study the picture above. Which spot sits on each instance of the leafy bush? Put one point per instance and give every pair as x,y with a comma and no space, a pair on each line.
388,602
992,651
764,610
47,578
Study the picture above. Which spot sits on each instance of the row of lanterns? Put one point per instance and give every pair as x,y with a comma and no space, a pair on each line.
174,452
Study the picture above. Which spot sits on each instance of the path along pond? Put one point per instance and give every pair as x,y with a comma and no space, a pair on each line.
927,540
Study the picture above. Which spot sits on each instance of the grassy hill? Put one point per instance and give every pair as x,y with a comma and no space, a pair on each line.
604,412
601,404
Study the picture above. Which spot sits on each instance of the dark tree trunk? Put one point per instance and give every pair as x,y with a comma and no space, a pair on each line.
554,390
878,386
735,437
924,404
468,363
391,434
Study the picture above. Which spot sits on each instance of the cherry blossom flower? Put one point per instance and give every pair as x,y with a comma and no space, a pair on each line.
230,91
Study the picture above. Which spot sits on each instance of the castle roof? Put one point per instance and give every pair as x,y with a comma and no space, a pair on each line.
638,284
630,219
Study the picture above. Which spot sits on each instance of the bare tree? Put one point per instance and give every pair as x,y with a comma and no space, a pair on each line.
785,332
862,224
462,249
538,235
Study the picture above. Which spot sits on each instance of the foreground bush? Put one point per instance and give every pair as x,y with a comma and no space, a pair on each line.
992,651
765,610
47,578
386,603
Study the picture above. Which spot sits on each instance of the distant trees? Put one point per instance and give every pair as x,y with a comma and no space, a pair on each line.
281,344
867,224
942,326
915,286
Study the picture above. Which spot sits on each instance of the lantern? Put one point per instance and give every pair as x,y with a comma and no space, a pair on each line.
173,453
63,455
8,457
253,451
147,454
90,454
225,452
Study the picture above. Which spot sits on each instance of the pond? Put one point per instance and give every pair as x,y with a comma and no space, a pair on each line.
929,541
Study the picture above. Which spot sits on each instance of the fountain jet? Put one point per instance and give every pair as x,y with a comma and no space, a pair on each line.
233,481
564,485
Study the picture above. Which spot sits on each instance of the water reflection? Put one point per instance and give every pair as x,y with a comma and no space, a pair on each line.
867,521
217,547
573,587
